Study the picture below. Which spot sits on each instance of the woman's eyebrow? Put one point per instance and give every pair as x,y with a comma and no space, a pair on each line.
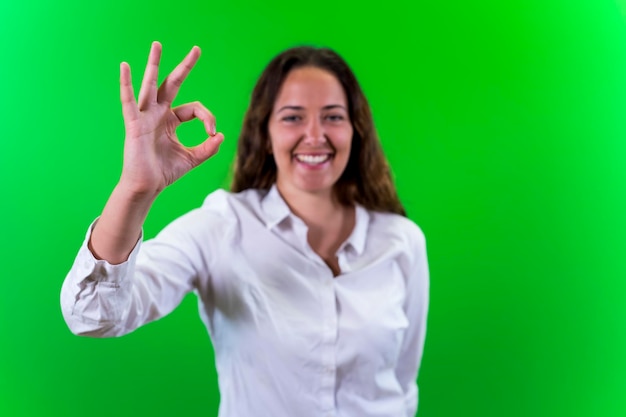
334,106
327,107
290,108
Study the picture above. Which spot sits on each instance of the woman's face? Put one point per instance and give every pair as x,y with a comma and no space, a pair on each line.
310,131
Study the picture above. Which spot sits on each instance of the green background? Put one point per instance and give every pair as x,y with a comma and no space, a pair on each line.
503,122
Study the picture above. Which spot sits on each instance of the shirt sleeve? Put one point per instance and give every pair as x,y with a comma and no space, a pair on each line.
99,299
416,307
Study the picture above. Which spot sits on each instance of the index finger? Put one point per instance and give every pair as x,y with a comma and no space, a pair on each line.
171,84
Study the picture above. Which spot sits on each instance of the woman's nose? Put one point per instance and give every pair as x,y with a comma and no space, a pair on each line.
314,131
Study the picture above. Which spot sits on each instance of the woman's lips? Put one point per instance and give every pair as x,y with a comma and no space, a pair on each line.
313,159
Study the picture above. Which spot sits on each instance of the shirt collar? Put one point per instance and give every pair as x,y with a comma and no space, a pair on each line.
361,223
276,210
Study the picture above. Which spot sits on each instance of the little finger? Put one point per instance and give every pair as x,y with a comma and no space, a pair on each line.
127,95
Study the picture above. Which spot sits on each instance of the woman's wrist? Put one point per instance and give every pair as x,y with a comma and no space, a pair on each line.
135,195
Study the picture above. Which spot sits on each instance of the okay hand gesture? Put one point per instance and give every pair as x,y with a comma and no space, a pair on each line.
153,156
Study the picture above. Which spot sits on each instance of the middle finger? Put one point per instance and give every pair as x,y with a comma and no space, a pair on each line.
168,90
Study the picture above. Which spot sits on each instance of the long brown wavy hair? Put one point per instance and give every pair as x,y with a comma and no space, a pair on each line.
367,178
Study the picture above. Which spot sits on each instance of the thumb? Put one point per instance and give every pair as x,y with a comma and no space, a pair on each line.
207,149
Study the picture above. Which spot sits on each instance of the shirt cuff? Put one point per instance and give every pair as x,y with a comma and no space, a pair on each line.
87,266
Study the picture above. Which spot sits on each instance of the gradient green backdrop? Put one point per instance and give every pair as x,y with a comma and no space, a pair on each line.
504,122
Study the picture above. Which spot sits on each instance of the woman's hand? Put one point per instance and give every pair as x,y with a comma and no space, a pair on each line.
153,156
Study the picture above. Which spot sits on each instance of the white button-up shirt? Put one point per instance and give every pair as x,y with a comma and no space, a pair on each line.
290,339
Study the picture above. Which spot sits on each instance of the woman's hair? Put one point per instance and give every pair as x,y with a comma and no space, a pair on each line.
366,179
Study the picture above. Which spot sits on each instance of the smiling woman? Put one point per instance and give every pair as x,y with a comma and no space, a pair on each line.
310,132
312,283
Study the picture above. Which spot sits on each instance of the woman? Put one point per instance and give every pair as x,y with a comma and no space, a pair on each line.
311,281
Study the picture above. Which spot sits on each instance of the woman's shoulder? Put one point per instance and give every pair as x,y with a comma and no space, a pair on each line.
223,202
220,209
397,227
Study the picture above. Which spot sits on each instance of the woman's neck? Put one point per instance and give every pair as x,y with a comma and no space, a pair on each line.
329,222
315,209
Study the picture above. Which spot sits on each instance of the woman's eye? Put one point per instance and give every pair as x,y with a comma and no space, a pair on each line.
335,117
291,118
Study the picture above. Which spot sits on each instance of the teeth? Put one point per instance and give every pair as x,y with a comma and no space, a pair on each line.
313,159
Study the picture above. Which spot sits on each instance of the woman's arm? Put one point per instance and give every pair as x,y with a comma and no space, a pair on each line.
153,156
416,308
99,299
102,295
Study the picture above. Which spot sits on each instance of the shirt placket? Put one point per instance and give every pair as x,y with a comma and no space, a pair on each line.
329,340
328,365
